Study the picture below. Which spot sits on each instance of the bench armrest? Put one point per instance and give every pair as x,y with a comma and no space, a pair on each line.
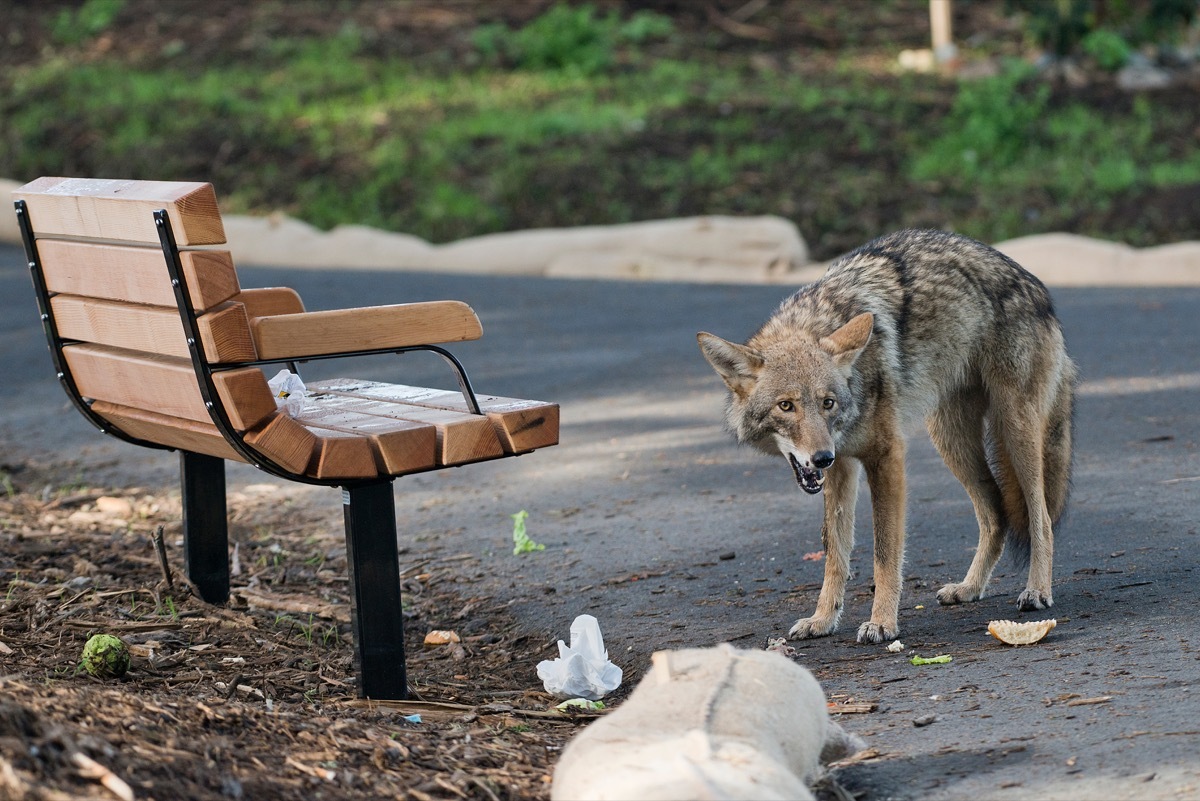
270,300
300,335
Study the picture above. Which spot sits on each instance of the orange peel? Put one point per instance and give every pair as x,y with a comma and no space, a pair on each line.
1008,631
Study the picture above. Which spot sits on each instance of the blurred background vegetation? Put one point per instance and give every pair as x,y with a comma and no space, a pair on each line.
454,118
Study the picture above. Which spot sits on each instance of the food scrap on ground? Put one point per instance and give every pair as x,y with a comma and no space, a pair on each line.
780,645
1027,633
441,637
941,659
521,540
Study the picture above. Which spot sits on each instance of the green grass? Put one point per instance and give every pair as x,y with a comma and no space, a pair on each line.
590,119
74,25
1003,142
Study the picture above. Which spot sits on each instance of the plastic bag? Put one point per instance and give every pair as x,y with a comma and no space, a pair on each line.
288,390
581,670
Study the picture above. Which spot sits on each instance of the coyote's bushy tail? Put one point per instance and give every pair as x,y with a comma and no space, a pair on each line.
1056,470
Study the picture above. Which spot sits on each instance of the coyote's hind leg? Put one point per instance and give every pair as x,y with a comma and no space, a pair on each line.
957,431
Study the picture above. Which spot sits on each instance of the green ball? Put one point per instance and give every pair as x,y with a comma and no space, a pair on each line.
106,656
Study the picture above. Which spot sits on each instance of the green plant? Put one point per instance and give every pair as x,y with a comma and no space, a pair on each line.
309,631
1164,20
1108,48
1064,27
1057,25
991,124
91,18
644,26
167,608
568,37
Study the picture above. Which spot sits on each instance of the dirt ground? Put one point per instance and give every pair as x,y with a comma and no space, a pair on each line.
253,700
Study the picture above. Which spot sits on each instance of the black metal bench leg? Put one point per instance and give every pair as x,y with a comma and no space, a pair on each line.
374,567
205,525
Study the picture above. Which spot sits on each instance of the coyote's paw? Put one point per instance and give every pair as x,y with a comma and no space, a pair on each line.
877,632
1032,600
958,594
814,626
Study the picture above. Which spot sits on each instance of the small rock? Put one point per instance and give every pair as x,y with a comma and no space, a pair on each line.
917,60
1137,78
82,518
924,720
114,507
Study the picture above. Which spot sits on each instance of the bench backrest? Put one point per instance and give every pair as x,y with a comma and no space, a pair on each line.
114,306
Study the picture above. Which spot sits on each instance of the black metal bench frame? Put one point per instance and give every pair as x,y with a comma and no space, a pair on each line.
369,507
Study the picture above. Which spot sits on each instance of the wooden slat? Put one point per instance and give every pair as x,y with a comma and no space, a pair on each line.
262,301
136,274
461,438
281,439
284,441
102,208
124,325
401,446
521,425
224,332
175,432
342,455
166,385
344,330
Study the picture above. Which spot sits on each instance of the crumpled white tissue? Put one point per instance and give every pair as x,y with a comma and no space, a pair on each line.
288,390
581,670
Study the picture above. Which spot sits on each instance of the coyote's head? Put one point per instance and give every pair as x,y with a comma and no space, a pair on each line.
789,391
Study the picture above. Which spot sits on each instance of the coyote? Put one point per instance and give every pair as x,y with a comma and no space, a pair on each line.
915,324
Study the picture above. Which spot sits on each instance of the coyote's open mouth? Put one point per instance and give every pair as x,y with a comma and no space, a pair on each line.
810,479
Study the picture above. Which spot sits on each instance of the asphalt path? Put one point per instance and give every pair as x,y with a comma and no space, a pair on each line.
656,523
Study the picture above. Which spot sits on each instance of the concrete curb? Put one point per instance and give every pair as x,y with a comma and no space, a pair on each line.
709,249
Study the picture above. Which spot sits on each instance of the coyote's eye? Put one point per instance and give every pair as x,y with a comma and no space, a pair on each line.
828,403
787,406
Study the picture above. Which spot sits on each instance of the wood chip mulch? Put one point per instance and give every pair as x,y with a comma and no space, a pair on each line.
254,699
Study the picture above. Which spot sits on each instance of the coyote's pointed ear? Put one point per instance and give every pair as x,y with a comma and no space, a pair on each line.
846,343
738,365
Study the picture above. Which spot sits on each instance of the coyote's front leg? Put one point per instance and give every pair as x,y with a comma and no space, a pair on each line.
885,477
837,535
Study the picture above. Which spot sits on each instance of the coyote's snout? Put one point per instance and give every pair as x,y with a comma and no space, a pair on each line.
811,476
918,324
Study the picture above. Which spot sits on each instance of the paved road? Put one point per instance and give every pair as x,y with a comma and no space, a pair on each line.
646,495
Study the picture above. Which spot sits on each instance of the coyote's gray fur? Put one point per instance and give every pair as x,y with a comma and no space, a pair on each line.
916,324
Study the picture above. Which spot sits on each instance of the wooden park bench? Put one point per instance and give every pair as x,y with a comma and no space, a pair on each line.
156,343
